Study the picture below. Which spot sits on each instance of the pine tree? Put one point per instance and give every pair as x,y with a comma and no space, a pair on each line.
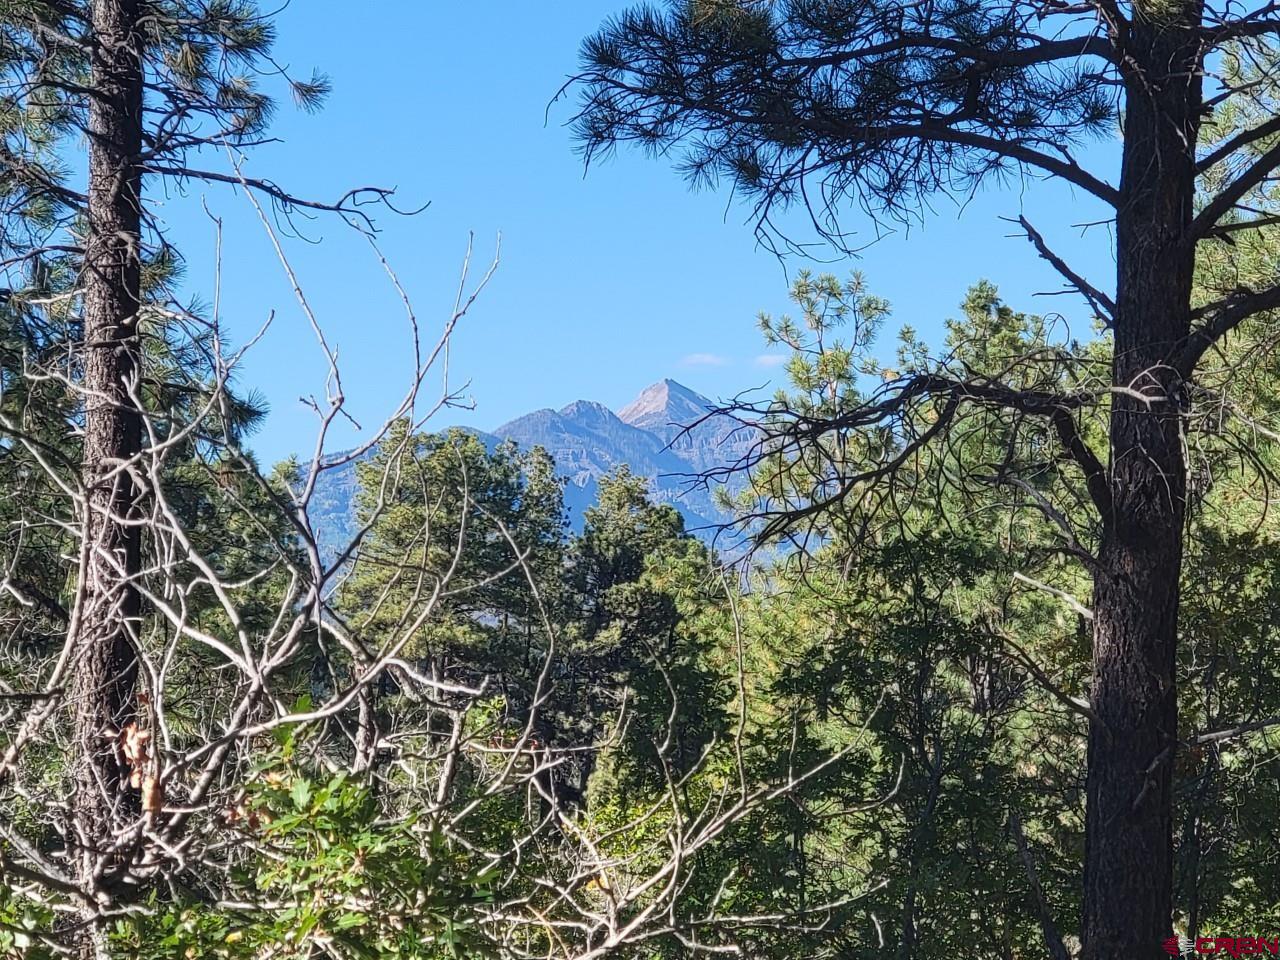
144,88
883,104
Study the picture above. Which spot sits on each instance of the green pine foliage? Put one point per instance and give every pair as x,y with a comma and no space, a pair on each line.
906,674
870,734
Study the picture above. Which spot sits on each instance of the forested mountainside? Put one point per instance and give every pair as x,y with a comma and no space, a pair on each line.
667,435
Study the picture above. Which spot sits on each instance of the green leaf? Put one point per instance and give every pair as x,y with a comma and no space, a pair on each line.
301,794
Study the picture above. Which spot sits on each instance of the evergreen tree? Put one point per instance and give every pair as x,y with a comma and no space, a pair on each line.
929,630
639,681
428,495
883,104
136,90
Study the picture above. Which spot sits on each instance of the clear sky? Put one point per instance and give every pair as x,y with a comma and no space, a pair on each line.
610,278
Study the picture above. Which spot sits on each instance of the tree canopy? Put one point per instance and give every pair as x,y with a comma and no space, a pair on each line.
999,675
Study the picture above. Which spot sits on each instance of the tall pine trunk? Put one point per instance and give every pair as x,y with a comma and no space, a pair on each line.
103,631
1129,822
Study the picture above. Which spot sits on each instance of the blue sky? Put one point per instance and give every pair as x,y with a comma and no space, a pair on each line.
609,280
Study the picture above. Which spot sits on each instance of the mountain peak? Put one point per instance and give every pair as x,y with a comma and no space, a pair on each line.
589,411
665,403
588,441
677,389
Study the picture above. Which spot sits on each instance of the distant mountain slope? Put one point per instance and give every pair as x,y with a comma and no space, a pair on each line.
587,441
685,422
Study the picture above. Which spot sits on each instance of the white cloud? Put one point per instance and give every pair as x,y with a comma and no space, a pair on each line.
771,359
704,360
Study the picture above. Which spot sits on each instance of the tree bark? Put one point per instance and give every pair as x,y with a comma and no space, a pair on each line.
1129,821
105,627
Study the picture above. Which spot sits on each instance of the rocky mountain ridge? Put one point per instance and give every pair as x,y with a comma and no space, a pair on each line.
666,435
